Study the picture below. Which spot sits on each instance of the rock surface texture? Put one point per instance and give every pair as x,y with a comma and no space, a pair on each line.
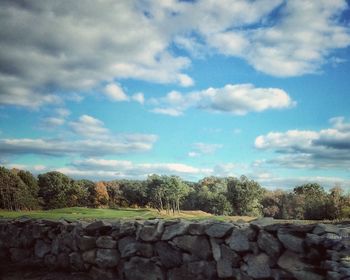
158,249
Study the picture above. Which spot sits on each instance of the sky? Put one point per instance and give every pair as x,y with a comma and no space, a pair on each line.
122,89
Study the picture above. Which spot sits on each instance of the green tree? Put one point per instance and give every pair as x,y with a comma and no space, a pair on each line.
30,181
245,196
315,200
14,193
79,192
55,189
209,195
134,193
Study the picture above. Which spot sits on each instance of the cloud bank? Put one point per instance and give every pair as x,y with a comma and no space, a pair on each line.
326,148
233,99
50,50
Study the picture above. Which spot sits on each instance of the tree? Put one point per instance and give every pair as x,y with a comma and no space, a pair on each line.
30,181
99,195
155,191
245,196
272,203
315,200
14,193
134,193
166,192
55,189
79,192
209,195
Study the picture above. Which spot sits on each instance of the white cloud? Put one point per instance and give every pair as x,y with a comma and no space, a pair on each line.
200,149
78,47
115,92
128,169
89,127
279,182
280,38
234,99
118,144
53,121
59,119
326,148
138,97
62,112
167,111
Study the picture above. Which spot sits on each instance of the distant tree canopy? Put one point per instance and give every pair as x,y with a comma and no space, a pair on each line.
20,190
14,193
55,189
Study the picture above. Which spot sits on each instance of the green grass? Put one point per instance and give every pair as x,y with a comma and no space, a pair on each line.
82,213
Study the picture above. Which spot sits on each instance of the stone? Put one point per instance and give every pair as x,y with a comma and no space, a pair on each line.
345,261
331,241
89,256
197,228
106,242
41,248
63,260
174,230
195,271
187,258
258,266
102,273
313,239
205,269
55,246
238,241
291,262
331,265
344,271
262,222
325,228
280,274
228,259
98,227
144,249
106,258
124,229
86,243
76,261
169,257
50,260
152,232
291,242
249,231
215,248
269,244
141,268
219,230
127,246
332,275
196,245
18,254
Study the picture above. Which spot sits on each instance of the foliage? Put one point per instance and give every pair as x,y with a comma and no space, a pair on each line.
209,195
14,193
245,196
100,195
55,189
20,190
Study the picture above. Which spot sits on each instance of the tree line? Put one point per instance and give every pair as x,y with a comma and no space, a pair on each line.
20,190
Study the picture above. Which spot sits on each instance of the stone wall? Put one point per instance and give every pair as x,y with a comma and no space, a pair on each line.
158,249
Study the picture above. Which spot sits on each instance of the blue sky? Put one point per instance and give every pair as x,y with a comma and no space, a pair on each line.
123,89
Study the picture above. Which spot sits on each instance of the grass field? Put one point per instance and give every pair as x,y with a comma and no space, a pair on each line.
82,213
